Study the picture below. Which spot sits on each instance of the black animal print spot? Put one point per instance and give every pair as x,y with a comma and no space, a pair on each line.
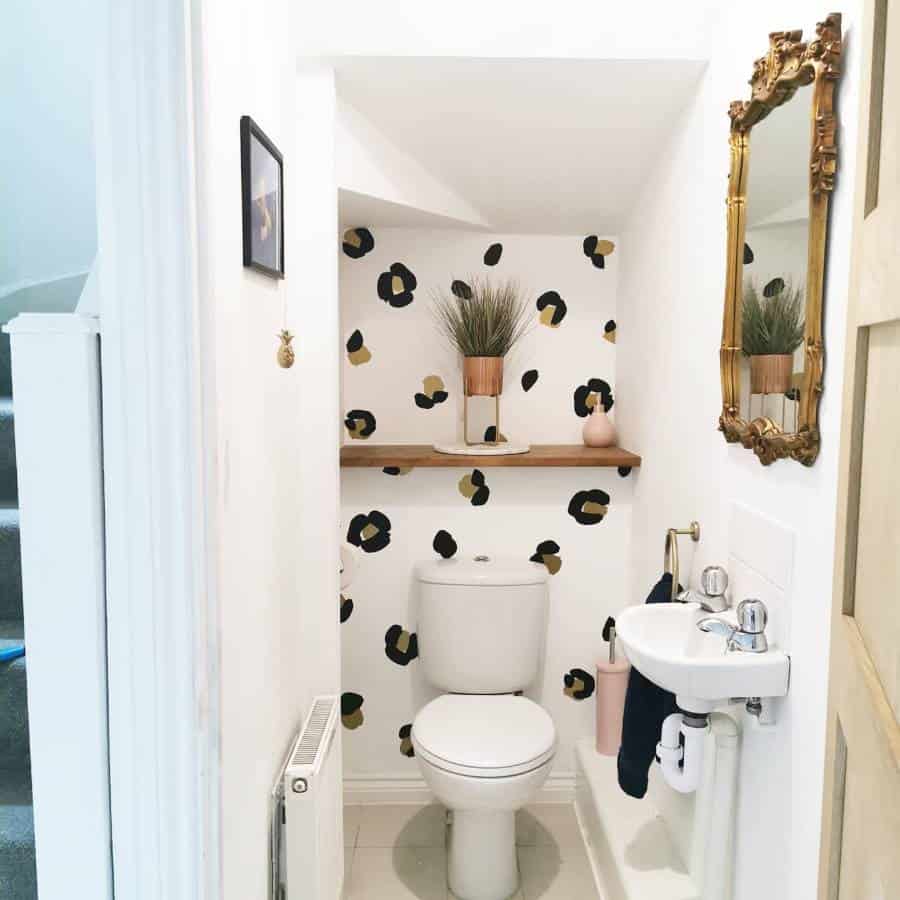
490,435
432,392
748,254
346,608
360,424
492,254
624,471
775,286
351,710
792,393
397,470
396,286
461,289
552,308
596,250
406,744
357,351
358,242
547,553
400,646
578,684
474,488
589,507
529,379
587,396
609,331
371,532
444,545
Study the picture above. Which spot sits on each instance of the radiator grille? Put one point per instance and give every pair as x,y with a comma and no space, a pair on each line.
309,747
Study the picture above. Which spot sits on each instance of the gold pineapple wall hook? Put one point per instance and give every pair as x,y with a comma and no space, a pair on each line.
285,355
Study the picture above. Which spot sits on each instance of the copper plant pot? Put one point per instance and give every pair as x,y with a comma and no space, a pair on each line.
771,373
482,376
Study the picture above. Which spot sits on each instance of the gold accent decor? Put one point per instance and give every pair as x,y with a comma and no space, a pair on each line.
770,373
670,554
285,355
789,64
482,376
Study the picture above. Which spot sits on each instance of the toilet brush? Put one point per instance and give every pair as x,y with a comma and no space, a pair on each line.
612,683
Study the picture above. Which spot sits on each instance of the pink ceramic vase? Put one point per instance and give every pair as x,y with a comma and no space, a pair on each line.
598,430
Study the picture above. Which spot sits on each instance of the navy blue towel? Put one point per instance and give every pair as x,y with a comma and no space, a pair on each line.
646,706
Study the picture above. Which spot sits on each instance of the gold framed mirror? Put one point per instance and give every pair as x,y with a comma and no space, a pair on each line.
772,353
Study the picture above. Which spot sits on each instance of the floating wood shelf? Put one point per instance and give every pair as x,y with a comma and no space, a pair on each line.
378,456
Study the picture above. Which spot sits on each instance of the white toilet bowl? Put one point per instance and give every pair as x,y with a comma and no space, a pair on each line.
484,757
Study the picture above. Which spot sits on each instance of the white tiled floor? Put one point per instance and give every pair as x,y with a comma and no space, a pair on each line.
398,853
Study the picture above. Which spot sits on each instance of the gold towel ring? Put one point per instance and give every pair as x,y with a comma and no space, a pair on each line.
670,554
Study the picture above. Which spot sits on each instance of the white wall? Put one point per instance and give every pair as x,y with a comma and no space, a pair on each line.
670,315
275,431
47,58
576,29
525,507
368,163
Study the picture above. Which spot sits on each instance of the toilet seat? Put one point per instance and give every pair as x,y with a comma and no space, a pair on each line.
484,735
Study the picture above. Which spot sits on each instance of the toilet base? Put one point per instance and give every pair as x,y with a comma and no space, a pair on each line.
482,854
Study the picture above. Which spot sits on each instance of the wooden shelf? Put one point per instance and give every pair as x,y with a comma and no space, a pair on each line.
378,456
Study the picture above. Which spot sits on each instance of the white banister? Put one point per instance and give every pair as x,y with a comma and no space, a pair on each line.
56,397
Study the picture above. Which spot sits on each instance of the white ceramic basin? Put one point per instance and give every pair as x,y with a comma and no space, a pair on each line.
662,641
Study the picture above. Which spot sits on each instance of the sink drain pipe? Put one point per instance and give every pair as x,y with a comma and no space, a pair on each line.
681,748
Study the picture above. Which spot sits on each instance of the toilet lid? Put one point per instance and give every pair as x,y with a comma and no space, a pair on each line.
487,735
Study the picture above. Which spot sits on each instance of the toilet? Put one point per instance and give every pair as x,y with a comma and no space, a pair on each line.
484,749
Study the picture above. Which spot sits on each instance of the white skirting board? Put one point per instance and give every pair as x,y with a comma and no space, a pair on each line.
379,789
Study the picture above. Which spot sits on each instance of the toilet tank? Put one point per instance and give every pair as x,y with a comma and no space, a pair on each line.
481,623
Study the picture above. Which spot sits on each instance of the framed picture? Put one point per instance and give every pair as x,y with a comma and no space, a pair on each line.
262,190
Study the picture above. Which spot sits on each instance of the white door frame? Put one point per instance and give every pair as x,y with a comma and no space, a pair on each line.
161,603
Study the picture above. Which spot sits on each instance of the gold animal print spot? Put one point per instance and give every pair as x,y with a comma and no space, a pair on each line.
368,532
406,744
360,424
547,553
604,248
474,488
357,352
578,684
351,710
594,509
552,309
609,331
433,391
357,242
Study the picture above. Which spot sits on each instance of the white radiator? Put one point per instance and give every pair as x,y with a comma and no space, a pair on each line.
307,842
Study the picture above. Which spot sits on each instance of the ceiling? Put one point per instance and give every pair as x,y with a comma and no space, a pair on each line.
540,145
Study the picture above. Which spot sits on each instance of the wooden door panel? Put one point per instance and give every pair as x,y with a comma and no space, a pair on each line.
860,857
876,600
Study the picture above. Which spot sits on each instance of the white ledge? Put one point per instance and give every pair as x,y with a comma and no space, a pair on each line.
52,323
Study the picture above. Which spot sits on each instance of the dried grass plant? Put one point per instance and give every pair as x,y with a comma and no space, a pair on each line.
489,323
772,325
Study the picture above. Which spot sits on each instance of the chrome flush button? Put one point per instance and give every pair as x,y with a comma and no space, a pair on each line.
482,558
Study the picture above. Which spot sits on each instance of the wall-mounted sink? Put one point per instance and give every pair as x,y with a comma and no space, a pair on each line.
663,642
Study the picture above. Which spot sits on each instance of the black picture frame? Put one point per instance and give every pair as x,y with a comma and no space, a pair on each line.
263,238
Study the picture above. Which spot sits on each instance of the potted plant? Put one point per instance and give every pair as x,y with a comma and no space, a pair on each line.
771,330
483,323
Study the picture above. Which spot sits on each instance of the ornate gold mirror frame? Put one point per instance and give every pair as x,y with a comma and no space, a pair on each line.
789,65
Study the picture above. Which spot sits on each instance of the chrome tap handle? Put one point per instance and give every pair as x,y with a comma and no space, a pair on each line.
752,616
714,581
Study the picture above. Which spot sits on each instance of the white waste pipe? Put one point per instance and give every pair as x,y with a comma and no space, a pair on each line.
681,765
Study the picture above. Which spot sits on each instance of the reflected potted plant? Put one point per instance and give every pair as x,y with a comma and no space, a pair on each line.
772,323
483,322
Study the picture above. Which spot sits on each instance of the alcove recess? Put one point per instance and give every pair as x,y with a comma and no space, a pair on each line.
540,455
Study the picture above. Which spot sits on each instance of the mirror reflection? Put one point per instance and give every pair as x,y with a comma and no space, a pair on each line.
775,264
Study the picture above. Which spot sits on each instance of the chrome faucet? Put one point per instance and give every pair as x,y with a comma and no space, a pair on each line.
711,597
750,634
